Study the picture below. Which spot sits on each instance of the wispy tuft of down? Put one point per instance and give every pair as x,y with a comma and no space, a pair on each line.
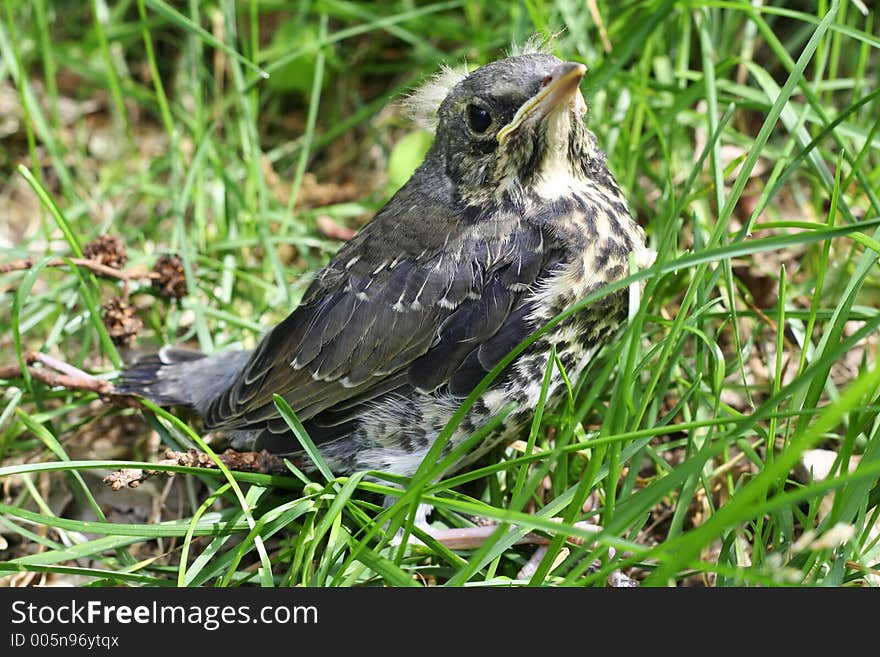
423,103
537,44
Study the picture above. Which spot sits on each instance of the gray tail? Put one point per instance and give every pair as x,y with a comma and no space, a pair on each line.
160,377
180,377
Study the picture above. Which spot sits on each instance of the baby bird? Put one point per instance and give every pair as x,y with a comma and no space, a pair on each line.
512,217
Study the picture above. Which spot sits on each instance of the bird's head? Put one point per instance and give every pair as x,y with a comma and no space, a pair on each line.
513,125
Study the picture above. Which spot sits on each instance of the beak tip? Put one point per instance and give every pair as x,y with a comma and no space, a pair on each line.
580,68
568,76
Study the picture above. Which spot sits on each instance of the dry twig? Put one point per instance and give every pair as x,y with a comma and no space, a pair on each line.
64,374
93,265
263,462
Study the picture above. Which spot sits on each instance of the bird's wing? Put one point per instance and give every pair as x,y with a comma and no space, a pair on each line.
420,320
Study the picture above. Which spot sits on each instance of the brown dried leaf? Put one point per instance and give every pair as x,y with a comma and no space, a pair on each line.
328,227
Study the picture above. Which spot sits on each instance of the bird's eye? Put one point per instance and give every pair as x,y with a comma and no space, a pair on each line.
478,119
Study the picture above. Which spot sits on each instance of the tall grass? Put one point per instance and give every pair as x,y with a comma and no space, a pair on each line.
746,138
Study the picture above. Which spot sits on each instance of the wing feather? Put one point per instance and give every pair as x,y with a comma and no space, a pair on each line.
370,327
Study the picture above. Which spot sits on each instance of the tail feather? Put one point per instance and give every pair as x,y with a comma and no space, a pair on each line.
157,378
182,377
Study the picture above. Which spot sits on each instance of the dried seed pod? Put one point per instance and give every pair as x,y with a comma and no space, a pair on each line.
107,250
171,280
122,321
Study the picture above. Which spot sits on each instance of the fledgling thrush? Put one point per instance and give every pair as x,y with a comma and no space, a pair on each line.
512,217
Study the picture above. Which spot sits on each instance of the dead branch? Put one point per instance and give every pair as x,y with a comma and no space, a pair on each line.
93,265
58,374
64,374
262,462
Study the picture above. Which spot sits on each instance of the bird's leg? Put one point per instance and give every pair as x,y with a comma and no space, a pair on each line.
421,520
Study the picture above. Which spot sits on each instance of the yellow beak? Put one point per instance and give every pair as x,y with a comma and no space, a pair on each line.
560,86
